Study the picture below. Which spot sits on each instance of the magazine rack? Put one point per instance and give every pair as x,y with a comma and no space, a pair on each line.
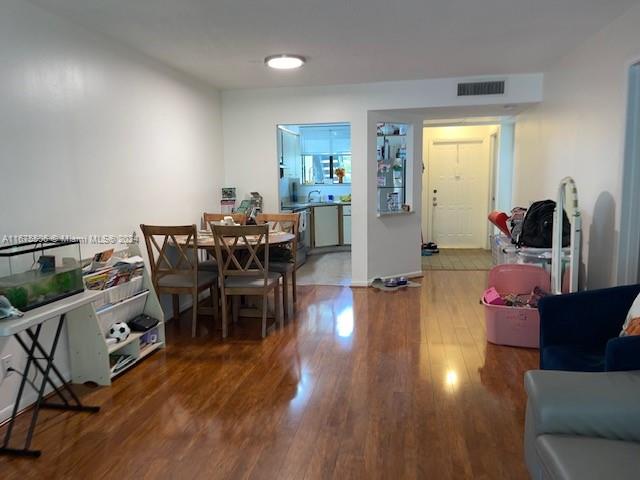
90,355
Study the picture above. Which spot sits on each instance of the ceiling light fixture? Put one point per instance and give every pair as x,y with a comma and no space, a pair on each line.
285,61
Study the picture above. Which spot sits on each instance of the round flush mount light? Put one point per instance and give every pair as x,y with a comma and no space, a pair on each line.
284,61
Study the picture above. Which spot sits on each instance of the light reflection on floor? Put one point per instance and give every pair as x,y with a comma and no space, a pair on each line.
344,322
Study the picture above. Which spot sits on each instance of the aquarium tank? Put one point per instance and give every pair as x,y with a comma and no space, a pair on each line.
33,274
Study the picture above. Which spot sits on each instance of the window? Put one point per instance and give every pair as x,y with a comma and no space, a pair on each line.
326,149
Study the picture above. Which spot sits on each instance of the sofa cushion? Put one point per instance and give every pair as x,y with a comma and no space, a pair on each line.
575,358
570,457
579,403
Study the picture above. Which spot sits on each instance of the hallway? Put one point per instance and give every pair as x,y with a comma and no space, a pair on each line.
458,259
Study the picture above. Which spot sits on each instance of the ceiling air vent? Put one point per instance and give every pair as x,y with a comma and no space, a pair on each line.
481,88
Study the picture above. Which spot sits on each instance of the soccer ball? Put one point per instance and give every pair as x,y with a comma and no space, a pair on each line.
120,331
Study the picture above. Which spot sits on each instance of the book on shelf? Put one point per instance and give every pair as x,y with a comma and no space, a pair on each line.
119,362
115,271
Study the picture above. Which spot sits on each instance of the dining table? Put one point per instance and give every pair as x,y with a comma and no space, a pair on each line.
206,243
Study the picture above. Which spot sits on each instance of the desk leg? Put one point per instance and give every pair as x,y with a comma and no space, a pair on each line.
5,446
46,379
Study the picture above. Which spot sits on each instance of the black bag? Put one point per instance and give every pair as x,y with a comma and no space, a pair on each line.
142,323
537,228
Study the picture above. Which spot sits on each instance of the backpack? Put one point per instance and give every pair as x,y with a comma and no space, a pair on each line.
537,228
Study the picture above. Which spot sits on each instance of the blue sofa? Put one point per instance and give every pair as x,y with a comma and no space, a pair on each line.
579,331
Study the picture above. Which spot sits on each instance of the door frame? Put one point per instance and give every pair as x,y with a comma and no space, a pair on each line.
629,245
494,153
429,205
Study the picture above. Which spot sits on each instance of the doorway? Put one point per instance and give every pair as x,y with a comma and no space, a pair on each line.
459,186
314,162
457,180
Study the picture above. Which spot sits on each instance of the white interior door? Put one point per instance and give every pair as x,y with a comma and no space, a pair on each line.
459,190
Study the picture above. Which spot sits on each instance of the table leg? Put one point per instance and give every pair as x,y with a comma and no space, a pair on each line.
5,449
46,379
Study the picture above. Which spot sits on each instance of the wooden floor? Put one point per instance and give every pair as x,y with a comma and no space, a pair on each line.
458,259
362,384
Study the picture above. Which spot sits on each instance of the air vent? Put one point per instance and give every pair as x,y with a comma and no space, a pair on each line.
481,88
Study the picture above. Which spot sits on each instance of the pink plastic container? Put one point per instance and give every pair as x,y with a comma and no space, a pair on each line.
515,326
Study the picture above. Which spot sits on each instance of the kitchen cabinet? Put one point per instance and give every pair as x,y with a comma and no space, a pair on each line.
326,226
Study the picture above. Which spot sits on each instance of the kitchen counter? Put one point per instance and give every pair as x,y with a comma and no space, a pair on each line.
295,207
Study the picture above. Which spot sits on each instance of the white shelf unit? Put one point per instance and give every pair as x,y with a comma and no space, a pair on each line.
87,327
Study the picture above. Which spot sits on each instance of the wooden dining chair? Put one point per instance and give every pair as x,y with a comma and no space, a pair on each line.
173,255
210,264
284,222
239,218
243,255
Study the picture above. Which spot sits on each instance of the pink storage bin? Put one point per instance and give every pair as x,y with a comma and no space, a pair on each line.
515,326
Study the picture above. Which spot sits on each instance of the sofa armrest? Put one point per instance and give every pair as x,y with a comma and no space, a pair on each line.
576,403
622,353
587,318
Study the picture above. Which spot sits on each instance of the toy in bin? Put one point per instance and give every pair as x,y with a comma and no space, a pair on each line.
520,284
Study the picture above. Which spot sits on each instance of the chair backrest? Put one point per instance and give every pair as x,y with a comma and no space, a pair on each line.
240,218
238,250
172,250
283,222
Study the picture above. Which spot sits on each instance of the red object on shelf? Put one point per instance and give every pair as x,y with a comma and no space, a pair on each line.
499,219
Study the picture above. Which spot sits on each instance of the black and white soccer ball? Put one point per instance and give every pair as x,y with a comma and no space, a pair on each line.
120,331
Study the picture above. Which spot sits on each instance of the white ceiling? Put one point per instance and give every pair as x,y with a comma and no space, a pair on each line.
224,42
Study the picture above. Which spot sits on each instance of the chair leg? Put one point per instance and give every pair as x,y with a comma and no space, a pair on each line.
215,301
235,304
265,306
293,286
194,320
285,295
277,299
176,306
223,305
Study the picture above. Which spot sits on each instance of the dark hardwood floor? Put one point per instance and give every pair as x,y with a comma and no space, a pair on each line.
361,384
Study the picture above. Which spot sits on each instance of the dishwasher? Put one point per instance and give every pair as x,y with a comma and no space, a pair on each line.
304,236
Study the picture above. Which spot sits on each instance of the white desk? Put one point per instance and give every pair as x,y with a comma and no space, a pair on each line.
31,324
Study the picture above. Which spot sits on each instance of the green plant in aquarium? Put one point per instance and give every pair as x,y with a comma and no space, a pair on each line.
41,289
18,296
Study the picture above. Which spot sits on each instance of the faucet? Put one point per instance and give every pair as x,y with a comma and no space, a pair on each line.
311,192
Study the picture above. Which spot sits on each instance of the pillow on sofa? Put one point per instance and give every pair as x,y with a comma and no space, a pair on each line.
632,323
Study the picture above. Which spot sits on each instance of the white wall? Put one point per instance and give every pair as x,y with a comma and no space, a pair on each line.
249,128
579,131
96,139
